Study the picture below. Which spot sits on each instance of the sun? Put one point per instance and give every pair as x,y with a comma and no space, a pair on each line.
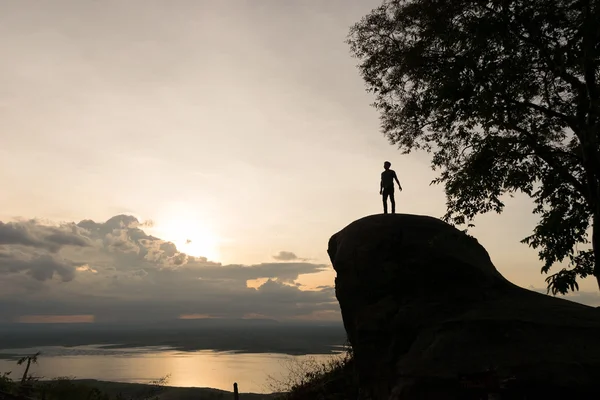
190,234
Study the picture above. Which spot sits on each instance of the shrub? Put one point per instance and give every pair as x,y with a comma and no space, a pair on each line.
333,379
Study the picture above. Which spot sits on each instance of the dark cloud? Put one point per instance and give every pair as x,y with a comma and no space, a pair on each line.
13,233
32,234
287,272
41,267
115,270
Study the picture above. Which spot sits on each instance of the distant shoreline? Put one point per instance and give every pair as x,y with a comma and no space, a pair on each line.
175,392
333,350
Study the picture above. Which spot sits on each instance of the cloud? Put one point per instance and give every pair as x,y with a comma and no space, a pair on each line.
115,270
30,233
285,256
41,267
287,272
288,256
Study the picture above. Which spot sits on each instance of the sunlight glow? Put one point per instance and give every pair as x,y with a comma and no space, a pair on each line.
255,283
192,235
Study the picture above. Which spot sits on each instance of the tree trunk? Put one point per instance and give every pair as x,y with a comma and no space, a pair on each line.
596,244
26,370
591,165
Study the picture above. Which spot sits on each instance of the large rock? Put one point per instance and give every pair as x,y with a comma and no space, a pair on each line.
428,314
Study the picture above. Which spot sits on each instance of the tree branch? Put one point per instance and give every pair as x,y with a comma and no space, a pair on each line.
570,121
555,64
546,155
590,38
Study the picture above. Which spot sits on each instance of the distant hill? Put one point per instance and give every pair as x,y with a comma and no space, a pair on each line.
241,335
169,392
162,324
75,389
126,325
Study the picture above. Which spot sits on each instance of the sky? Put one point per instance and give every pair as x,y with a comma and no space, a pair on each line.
238,131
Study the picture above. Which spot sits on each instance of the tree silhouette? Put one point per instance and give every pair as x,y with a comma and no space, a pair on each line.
505,96
28,360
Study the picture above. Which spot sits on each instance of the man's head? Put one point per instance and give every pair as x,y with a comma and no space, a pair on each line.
387,165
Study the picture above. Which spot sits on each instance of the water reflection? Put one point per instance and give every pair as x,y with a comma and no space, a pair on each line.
188,369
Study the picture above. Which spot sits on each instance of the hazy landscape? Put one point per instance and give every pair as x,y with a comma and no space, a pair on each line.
196,193
193,353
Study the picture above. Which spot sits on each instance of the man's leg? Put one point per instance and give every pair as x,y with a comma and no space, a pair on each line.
385,196
393,201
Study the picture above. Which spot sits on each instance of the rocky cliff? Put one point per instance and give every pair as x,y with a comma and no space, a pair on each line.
430,317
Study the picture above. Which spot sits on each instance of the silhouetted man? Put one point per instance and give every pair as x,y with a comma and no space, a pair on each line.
387,186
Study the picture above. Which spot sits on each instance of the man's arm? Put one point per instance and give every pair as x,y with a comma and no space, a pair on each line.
397,181
381,185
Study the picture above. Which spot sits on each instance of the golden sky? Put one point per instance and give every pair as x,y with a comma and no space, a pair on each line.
235,129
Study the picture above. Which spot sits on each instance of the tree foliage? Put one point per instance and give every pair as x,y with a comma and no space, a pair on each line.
505,96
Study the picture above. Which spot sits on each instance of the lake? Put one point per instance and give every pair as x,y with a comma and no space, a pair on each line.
203,368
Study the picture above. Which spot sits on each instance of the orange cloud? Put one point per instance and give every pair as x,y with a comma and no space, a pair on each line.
86,268
56,319
195,316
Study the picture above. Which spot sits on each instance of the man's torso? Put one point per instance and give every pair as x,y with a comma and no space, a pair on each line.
387,179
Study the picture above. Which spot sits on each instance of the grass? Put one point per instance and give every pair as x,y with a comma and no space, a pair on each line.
67,388
309,379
